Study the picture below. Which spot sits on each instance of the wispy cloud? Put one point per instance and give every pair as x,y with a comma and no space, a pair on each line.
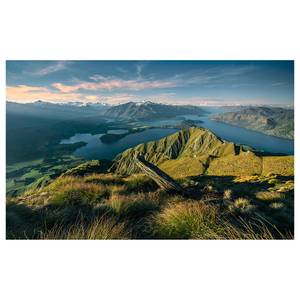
24,93
52,68
109,83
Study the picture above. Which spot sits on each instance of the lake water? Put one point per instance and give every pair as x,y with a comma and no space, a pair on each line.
238,135
95,149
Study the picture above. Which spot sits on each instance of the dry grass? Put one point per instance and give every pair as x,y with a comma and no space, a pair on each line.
99,229
227,195
134,205
277,205
190,220
283,165
80,193
269,195
194,220
241,205
244,164
118,207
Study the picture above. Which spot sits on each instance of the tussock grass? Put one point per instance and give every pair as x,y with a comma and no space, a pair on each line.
227,195
194,220
107,206
98,229
139,182
277,205
134,205
108,179
241,205
269,195
80,193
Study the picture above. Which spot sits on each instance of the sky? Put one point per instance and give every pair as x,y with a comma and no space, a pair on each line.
177,82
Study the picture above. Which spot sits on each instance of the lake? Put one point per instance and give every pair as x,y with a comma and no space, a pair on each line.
238,135
96,149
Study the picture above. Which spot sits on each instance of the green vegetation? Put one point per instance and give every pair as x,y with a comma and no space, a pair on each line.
196,151
37,173
268,120
100,206
232,193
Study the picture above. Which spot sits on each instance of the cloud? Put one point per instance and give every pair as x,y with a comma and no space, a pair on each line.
212,77
24,93
113,84
58,66
139,69
92,98
64,88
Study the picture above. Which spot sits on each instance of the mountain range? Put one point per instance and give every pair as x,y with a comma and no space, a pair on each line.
268,120
150,110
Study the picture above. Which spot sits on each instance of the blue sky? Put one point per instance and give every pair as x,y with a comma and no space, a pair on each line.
181,82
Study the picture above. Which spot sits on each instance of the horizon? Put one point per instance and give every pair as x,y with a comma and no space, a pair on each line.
205,83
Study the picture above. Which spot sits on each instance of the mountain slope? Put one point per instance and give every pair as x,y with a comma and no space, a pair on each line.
268,120
194,151
150,110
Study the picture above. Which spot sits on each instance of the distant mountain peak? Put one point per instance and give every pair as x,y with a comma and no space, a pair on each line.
143,110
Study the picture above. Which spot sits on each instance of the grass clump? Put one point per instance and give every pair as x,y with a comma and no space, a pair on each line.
134,205
99,229
80,194
227,195
241,205
277,205
190,220
269,195
139,182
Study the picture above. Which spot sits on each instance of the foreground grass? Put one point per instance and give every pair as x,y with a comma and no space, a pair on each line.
99,229
106,206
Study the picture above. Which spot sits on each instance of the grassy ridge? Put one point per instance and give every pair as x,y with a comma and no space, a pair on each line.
109,206
195,151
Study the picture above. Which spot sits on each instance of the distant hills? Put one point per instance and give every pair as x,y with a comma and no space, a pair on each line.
49,110
194,151
268,120
150,110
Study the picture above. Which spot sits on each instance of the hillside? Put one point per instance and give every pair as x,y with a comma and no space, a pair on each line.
194,151
240,195
268,120
149,110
